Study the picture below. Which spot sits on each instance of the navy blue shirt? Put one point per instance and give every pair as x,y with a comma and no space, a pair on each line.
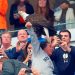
12,54
64,68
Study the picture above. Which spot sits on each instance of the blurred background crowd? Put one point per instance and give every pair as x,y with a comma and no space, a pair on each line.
48,53
53,5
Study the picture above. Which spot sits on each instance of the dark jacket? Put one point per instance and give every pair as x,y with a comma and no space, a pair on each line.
17,24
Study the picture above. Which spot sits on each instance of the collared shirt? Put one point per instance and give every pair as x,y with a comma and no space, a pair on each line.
10,47
5,50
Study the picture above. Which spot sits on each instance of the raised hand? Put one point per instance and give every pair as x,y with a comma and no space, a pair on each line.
22,71
1,51
20,45
65,46
28,25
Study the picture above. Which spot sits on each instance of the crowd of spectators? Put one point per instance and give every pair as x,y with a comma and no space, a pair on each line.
38,50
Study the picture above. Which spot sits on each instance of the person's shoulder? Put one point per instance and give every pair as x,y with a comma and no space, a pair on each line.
72,50
51,11
58,49
28,4
72,47
70,9
14,5
29,8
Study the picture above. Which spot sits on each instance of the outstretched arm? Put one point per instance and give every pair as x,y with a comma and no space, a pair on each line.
34,40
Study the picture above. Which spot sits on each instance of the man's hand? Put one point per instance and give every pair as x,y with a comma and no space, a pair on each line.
3,55
28,25
16,16
22,71
55,42
1,64
35,71
29,56
20,45
2,51
65,46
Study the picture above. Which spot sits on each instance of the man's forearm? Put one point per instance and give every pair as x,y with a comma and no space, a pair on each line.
34,41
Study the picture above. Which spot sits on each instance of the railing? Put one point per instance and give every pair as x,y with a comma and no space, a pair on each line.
57,25
14,31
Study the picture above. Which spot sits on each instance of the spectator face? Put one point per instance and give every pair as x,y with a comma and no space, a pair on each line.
48,49
22,35
29,48
64,6
22,0
6,38
42,3
65,37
